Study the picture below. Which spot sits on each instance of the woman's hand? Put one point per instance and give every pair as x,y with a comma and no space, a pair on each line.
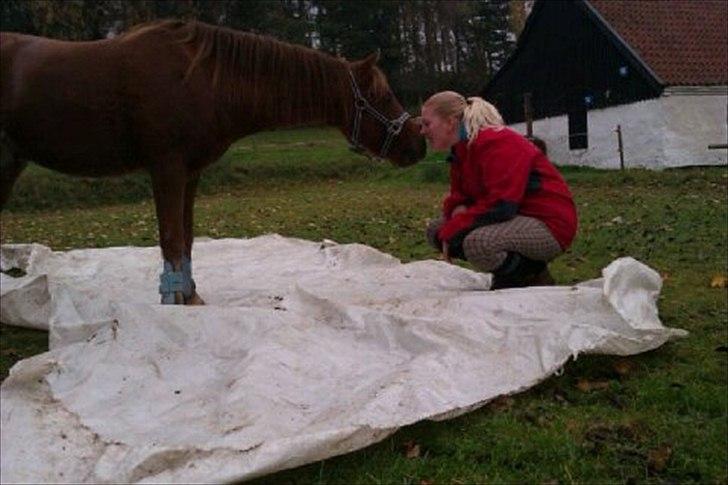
458,210
445,248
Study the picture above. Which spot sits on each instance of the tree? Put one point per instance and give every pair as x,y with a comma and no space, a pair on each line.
425,45
15,16
517,16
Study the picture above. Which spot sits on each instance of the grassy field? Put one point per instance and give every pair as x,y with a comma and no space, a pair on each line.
658,417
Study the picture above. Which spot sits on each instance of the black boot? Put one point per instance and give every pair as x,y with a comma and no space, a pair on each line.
518,271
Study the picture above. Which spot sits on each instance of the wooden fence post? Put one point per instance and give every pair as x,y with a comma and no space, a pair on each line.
621,148
528,114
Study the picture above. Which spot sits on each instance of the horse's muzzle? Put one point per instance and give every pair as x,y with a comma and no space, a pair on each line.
413,153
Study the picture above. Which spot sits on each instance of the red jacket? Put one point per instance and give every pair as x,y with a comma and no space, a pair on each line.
502,174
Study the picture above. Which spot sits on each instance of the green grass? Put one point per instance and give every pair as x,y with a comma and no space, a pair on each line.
663,421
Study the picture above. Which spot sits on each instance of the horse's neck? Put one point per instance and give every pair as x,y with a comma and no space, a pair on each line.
298,98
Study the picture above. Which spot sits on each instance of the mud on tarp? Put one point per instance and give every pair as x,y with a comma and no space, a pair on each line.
305,350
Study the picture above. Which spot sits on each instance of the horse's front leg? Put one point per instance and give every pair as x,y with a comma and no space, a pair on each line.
189,207
10,167
169,181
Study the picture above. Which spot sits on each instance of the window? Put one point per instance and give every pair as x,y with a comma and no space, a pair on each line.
578,128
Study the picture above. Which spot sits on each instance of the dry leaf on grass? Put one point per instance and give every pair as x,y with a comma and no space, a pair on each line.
623,367
501,403
657,458
719,281
585,385
411,449
10,351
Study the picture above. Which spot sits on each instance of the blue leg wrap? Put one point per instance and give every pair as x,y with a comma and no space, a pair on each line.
171,281
187,270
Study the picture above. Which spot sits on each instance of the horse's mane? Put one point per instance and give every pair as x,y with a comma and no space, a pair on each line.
246,66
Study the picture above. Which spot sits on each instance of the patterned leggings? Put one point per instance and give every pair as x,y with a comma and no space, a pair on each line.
486,247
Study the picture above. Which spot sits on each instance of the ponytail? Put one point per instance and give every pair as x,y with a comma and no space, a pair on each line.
479,114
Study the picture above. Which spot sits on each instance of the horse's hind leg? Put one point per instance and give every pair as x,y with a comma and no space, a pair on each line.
189,207
168,183
10,167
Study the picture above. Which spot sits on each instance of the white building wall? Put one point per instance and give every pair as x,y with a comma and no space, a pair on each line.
671,131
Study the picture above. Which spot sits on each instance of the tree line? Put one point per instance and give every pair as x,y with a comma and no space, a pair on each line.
425,45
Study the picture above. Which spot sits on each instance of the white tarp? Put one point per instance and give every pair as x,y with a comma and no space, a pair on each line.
304,351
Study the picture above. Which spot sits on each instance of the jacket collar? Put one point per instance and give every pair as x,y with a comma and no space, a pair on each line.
453,156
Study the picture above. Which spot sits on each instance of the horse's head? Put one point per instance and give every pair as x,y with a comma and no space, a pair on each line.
378,123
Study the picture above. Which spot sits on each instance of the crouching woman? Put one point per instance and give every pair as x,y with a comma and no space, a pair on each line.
509,210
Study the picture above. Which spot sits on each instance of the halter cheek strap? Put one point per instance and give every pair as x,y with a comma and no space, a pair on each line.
361,105
171,281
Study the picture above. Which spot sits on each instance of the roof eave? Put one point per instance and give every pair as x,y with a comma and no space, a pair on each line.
696,89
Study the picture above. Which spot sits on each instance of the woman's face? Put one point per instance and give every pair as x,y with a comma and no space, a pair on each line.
441,133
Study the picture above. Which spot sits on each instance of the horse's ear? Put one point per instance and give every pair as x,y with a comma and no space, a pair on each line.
371,60
368,63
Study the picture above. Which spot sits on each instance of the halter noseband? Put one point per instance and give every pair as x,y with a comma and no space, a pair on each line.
394,127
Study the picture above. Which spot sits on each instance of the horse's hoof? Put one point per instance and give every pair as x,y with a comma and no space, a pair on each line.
195,300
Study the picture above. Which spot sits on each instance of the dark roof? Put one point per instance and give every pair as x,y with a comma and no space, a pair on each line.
683,42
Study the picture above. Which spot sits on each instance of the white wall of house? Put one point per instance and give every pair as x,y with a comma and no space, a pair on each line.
671,131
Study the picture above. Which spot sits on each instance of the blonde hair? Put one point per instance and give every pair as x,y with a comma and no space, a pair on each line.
474,112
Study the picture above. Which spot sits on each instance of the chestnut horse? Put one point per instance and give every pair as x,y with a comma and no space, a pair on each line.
170,97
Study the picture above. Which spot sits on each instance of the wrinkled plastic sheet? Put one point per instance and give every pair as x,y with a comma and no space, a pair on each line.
305,350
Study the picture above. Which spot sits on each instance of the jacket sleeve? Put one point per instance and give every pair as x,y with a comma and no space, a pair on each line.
505,165
455,197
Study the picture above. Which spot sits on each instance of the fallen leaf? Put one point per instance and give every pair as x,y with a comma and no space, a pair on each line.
12,352
501,403
623,367
411,449
572,425
585,385
657,458
719,281
601,434
427,482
